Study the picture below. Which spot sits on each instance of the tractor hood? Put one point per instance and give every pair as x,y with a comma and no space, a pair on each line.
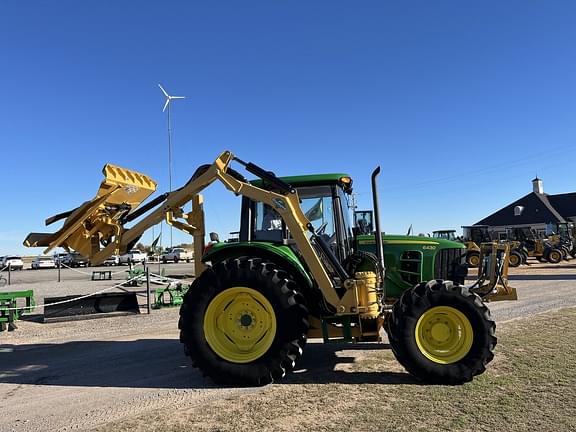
393,239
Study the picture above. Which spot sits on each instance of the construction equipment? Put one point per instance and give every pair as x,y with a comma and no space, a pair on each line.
300,270
563,237
541,249
567,232
475,235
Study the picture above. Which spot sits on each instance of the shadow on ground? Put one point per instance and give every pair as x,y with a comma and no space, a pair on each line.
160,363
320,360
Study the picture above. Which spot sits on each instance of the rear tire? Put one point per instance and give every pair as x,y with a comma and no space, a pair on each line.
224,308
515,259
442,333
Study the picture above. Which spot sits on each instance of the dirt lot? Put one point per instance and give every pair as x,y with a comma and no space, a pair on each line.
130,374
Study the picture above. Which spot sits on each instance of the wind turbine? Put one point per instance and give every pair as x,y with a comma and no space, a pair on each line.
167,105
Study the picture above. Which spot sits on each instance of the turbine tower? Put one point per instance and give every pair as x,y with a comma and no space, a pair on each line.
167,105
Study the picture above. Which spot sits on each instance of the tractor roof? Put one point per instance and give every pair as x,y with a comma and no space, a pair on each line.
315,180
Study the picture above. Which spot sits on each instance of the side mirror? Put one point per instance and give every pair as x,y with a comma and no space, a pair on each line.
214,237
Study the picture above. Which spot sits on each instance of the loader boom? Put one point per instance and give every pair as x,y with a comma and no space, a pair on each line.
101,220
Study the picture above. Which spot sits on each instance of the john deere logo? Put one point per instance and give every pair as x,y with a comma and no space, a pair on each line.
429,247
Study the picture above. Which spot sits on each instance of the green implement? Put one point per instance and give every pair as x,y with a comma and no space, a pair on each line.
11,308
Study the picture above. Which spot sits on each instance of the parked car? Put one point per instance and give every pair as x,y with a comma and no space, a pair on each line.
113,260
74,259
15,262
133,257
41,262
177,254
59,257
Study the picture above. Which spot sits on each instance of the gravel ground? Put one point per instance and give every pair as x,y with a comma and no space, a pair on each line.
84,374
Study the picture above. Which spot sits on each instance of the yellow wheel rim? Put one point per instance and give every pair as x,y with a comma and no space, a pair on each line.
555,256
444,334
474,260
240,325
514,259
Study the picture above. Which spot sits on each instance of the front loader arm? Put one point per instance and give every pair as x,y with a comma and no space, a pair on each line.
99,223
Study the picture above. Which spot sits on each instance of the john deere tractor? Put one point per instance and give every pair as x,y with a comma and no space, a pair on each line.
300,270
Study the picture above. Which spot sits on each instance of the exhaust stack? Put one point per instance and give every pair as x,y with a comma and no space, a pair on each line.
378,232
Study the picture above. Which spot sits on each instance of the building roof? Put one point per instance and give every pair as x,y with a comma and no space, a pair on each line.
565,204
537,208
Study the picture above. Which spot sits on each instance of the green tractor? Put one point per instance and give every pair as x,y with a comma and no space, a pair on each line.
301,270
325,200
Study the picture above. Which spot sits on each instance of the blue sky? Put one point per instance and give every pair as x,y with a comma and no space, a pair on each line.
460,102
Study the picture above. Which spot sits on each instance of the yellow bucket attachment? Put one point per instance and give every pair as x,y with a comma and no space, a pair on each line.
98,221
134,186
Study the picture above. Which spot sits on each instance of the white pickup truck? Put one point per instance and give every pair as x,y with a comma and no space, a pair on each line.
132,257
177,254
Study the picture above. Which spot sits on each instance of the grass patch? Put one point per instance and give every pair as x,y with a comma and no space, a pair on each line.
531,385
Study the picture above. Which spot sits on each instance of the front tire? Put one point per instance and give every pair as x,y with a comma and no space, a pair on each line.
243,322
554,255
442,333
473,259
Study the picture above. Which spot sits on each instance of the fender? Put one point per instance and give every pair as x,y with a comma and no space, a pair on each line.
280,255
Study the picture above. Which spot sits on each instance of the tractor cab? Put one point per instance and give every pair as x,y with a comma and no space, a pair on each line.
445,234
566,231
325,201
523,234
477,234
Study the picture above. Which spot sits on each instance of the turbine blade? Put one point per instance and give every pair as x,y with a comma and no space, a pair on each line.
163,91
177,97
166,104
